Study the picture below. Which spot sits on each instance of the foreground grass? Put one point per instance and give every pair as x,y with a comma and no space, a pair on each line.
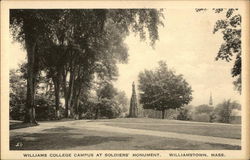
72,135
195,128
66,138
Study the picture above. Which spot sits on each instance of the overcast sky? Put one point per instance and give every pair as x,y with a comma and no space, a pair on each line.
188,46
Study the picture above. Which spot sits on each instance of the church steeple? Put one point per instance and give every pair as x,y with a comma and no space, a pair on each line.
210,100
133,110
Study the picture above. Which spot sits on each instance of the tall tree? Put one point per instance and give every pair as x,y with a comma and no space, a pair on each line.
162,89
102,43
53,58
27,27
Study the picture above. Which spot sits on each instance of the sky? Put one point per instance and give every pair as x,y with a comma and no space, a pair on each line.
188,46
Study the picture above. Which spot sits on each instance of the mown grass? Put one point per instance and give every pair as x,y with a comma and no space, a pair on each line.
195,128
67,138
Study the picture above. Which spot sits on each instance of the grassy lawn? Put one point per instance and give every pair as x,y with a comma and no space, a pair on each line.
73,135
66,138
196,128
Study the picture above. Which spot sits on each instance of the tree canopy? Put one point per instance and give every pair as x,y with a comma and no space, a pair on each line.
230,49
79,44
162,89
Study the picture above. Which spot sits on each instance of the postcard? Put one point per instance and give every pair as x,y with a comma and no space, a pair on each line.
124,80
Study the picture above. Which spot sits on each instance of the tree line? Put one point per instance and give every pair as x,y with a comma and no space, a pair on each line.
104,101
227,111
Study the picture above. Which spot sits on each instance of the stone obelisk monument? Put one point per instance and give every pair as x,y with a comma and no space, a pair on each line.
133,110
210,103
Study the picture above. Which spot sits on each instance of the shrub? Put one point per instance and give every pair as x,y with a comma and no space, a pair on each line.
109,109
44,103
17,111
45,107
87,109
185,113
204,109
17,95
203,113
171,114
223,111
203,117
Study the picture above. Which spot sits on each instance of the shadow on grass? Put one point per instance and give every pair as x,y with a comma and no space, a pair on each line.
21,125
57,120
189,146
59,129
229,147
176,144
59,138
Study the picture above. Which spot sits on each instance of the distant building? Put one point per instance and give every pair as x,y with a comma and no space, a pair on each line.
236,116
133,110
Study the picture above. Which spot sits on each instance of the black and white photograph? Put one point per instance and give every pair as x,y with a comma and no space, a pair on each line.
123,79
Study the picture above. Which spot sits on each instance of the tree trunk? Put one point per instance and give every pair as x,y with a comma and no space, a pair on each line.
76,110
70,91
31,77
163,114
57,96
76,104
66,113
76,101
97,113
